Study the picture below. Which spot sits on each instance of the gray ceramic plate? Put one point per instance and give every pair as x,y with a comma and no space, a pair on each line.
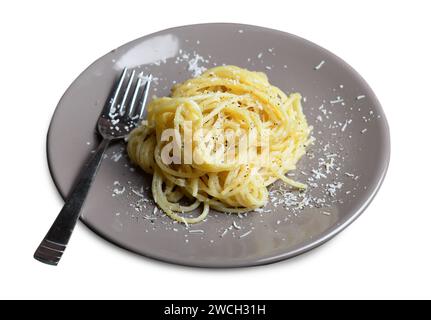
343,169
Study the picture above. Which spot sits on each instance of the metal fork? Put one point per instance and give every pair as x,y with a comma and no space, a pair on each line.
115,122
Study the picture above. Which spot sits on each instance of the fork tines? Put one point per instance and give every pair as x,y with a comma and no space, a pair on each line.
130,106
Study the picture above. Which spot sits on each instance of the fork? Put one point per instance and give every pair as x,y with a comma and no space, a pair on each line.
115,122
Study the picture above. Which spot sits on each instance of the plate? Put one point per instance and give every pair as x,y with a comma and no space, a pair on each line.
344,168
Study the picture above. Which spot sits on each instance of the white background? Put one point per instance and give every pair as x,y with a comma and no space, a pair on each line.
44,45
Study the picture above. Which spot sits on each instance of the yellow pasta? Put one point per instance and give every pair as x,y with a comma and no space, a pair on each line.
233,134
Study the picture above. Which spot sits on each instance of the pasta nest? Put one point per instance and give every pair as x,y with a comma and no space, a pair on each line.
205,159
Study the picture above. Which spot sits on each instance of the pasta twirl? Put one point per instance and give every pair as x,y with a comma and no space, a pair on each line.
241,134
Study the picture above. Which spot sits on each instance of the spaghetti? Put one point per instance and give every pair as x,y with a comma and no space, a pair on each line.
220,107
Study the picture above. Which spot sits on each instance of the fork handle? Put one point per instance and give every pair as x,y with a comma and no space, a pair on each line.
53,245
